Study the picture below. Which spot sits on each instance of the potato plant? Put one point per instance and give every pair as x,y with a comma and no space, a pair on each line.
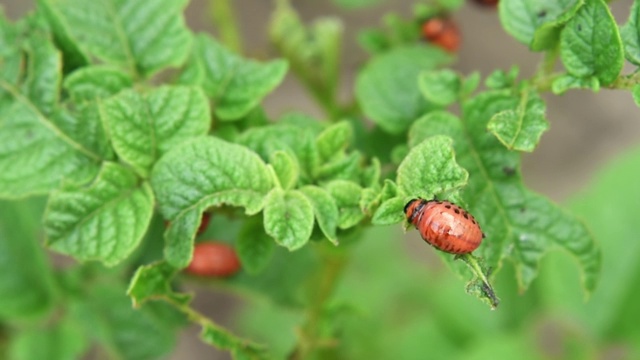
122,130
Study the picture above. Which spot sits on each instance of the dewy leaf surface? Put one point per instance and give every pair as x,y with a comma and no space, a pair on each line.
143,126
141,36
236,85
104,221
520,225
387,87
590,44
521,128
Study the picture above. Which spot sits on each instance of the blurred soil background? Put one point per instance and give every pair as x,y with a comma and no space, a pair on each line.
587,130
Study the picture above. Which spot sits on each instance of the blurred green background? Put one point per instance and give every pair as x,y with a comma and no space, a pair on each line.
397,300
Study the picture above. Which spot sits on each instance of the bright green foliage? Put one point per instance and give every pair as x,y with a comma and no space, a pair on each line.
390,212
636,94
144,126
325,210
347,196
95,82
440,87
235,85
566,82
141,38
520,128
355,4
536,23
520,225
199,174
630,33
430,168
288,218
334,140
25,291
286,169
105,220
591,44
387,87
152,282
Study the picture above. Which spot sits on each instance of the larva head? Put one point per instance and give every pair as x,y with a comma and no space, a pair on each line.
412,207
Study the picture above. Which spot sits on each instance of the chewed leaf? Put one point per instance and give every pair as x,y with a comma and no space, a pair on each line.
519,224
103,221
431,168
521,128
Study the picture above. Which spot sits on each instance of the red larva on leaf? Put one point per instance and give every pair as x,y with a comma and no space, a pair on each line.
444,225
442,32
214,259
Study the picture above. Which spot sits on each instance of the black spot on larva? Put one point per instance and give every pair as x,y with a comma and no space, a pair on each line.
466,216
483,235
473,221
448,206
457,211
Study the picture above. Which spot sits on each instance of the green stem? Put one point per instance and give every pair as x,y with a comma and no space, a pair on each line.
487,289
224,17
329,274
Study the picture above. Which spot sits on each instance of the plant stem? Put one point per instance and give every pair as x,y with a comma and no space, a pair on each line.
331,270
475,267
224,17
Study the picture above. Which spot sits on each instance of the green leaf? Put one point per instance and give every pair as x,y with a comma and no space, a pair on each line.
356,4
142,38
430,168
26,282
566,82
236,85
334,140
27,136
255,247
144,126
520,225
199,174
105,312
635,92
630,33
325,210
288,218
387,87
590,43
390,212
547,35
95,82
153,281
312,49
286,168
43,73
60,341
10,52
347,195
347,167
521,18
104,220
297,140
609,205
500,79
521,128
440,87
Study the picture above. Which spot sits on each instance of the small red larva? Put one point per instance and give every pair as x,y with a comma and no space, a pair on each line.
214,259
444,225
442,32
